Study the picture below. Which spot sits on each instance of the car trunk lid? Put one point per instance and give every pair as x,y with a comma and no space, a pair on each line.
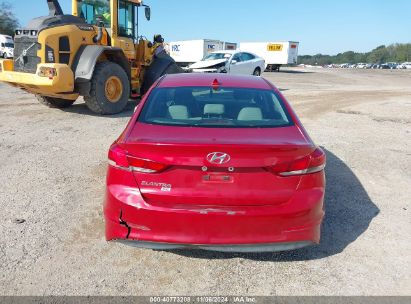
216,167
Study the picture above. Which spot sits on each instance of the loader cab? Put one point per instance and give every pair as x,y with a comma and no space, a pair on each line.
91,11
120,17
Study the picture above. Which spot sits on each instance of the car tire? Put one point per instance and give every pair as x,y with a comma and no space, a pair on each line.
110,89
4,56
257,72
53,102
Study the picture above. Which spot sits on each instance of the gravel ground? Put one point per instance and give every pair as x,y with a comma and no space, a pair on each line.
52,185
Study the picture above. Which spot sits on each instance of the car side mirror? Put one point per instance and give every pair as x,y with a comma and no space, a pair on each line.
234,61
148,13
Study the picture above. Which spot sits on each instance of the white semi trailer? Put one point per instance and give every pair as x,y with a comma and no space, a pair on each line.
190,51
276,54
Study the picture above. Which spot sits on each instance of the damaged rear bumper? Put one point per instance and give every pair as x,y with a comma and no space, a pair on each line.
292,225
243,248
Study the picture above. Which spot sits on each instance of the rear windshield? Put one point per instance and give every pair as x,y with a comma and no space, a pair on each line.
222,108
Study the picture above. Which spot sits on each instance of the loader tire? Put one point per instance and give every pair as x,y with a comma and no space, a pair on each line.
110,89
52,102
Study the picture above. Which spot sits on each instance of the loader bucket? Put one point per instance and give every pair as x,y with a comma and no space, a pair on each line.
162,64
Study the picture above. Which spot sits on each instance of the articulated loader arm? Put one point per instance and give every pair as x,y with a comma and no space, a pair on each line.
54,8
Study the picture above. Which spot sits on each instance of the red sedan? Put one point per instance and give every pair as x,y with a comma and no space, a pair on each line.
216,162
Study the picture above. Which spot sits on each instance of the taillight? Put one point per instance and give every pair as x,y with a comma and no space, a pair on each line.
315,162
144,166
119,158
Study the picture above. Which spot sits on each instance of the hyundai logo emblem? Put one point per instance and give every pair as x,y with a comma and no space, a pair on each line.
218,158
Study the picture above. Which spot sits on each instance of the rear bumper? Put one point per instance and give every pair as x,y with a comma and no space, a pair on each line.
62,83
244,248
291,225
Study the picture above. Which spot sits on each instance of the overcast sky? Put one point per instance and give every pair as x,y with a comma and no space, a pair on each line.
321,26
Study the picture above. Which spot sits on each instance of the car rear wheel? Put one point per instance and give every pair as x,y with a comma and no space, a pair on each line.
257,72
110,89
53,102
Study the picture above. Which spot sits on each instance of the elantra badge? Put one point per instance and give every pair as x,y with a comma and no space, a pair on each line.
218,158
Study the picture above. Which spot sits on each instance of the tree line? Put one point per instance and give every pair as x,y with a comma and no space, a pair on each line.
8,21
398,52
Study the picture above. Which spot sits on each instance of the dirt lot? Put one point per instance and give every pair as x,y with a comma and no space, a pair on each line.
52,176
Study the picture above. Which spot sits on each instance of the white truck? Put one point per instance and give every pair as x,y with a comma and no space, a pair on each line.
190,51
275,54
6,46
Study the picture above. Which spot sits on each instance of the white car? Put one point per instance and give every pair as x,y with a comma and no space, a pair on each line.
361,65
231,62
405,65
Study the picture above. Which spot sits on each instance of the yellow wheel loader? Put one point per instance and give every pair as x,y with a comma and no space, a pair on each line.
96,53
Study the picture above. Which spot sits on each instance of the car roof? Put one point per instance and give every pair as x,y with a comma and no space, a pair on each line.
206,80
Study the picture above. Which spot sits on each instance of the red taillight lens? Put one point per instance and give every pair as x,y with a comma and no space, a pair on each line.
315,162
318,158
145,166
118,158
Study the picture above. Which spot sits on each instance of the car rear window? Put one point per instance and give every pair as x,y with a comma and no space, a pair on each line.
208,107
